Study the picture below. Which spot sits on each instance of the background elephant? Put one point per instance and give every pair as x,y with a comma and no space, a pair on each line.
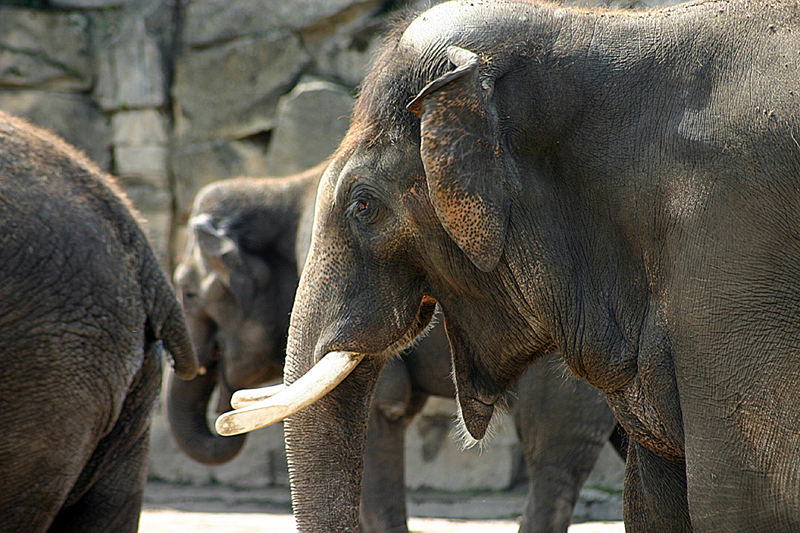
237,280
622,187
83,304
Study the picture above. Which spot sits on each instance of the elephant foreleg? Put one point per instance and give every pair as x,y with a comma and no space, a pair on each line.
655,493
383,501
563,425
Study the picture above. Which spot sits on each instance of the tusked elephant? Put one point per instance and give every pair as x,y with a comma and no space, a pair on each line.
83,304
237,281
623,187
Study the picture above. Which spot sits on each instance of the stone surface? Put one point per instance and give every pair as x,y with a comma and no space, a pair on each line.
197,165
219,508
143,161
311,120
344,52
139,128
435,460
232,90
157,226
46,50
261,462
89,4
601,496
141,151
608,472
213,21
154,203
72,116
130,67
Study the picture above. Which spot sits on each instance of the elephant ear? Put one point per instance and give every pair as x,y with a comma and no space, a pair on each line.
218,248
468,179
242,273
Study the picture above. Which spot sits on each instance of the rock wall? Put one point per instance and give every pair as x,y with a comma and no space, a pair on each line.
170,95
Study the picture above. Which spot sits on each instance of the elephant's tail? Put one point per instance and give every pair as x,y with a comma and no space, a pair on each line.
165,318
178,342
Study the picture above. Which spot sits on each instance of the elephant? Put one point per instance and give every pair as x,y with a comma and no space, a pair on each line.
84,308
236,282
622,187
242,228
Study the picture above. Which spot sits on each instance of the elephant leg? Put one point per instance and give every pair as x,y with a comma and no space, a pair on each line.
37,473
619,440
113,502
563,425
654,497
49,435
108,494
383,500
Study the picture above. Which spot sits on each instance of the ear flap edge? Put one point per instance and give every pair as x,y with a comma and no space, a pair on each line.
464,162
220,249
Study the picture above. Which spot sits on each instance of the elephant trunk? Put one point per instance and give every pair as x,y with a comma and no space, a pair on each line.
324,448
187,403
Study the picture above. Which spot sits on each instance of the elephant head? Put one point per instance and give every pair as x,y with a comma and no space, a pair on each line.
236,282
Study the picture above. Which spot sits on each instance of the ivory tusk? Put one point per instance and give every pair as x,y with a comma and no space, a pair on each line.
245,397
322,378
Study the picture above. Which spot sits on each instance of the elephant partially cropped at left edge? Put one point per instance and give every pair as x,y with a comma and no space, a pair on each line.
237,280
83,307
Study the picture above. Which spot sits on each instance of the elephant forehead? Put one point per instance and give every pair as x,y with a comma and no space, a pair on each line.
325,192
446,23
377,165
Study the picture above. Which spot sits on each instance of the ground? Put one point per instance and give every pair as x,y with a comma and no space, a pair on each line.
209,509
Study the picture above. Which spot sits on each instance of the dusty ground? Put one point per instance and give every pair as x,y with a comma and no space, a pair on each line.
209,509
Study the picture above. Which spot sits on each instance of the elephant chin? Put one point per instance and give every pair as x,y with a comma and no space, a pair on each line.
476,416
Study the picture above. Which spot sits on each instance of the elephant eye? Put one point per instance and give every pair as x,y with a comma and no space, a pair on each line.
364,206
187,297
363,210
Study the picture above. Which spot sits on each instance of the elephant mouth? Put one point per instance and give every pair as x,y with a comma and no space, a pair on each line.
422,322
212,360
213,367
262,407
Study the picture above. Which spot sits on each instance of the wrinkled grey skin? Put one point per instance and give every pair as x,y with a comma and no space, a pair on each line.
83,303
565,422
622,187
